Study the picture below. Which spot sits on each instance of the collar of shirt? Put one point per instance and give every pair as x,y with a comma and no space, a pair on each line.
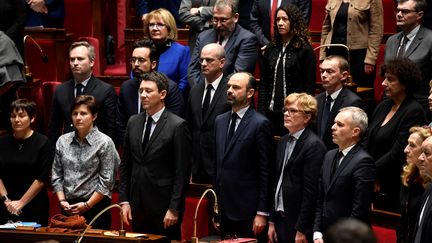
215,83
157,115
335,94
297,134
89,138
346,151
241,112
412,34
84,83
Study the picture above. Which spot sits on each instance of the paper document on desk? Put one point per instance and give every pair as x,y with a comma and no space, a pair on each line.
128,234
13,225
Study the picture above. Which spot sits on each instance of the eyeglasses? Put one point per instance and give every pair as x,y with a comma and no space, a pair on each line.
140,60
404,11
291,111
157,25
207,60
222,20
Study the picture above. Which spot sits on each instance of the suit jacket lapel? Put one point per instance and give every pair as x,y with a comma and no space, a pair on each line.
229,45
159,127
219,91
88,89
343,164
242,125
415,43
281,155
138,136
199,100
297,148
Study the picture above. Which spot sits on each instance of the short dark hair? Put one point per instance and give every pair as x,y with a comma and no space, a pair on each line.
343,62
87,100
159,78
147,43
24,105
349,230
407,72
420,5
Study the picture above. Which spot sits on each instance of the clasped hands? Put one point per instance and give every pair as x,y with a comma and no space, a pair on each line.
71,209
38,6
14,207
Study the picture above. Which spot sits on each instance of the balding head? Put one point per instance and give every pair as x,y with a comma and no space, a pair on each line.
212,61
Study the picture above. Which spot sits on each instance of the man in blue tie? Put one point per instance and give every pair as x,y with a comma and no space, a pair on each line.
244,149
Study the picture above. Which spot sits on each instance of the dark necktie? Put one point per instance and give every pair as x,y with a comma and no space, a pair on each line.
232,128
401,52
206,102
147,132
325,115
335,164
221,39
78,89
279,87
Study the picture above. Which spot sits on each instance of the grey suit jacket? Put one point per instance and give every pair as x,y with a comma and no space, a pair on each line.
241,52
419,51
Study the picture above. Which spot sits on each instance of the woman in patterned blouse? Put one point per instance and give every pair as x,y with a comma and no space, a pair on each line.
85,162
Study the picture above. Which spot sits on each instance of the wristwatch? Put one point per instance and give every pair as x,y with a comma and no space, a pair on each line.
4,198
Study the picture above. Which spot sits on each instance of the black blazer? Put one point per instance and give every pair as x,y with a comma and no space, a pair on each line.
203,134
349,193
260,17
300,180
243,168
426,233
157,177
127,104
241,53
61,119
345,98
297,80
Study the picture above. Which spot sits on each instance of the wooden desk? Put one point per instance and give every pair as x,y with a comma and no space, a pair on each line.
15,236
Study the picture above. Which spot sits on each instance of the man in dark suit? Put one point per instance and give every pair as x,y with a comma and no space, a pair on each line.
334,73
261,17
239,44
298,162
346,184
413,42
244,148
154,170
81,60
143,60
423,226
207,99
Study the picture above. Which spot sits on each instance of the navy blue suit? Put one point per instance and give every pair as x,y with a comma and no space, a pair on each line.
127,104
243,168
349,192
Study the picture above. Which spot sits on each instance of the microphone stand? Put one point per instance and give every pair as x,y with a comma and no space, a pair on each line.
215,209
27,73
122,232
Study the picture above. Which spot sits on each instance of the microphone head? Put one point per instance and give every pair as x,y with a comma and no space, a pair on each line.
44,58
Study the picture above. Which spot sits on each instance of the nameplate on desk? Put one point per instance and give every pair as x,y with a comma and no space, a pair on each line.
128,234
239,240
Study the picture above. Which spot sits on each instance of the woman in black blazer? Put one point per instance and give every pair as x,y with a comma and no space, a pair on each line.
389,128
288,65
413,185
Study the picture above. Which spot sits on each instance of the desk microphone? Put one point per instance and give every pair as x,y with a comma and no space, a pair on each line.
44,57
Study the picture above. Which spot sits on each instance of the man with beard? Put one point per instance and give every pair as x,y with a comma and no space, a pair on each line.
239,43
143,60
244,149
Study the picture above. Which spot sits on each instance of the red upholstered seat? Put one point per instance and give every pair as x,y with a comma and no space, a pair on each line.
318,13
203,219
378,89
39,69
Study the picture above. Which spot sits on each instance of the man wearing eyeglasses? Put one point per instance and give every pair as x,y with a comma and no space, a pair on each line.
143,60
239,44
334,73
413,42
